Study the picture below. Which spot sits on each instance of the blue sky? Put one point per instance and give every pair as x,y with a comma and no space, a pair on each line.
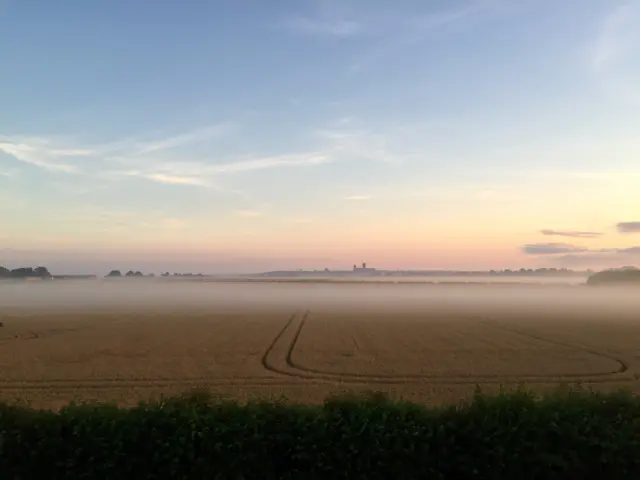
239,136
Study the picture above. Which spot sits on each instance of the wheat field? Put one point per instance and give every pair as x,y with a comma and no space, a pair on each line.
49,357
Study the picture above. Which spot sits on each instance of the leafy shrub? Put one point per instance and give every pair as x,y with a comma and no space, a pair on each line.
566,435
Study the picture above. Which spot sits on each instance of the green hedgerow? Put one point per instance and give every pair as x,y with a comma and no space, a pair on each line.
570,434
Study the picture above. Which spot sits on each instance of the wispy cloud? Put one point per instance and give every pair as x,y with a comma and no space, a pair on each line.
321,27
401,32
572,255
551,248
616,37
189,138
67,156
616,49
39,153
357,197
628,227
170,160
324,18
134,158
343,139
206,174
175,180
193,180
388,28
570,233
556,248
605,258
261,163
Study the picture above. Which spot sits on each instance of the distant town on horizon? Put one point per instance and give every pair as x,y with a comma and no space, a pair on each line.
356,271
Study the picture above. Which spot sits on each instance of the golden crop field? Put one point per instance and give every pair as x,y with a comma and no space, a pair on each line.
50,358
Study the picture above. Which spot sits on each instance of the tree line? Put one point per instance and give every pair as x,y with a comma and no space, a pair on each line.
616,276
43,273
131,273
25,272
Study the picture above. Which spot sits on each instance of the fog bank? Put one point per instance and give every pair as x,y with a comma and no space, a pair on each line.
145,295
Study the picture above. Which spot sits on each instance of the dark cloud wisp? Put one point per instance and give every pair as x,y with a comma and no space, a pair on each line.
570,233
551,248
566,248
628,227
567,255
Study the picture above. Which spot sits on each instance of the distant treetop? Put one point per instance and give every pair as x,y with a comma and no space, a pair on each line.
130,273
25,272
621,276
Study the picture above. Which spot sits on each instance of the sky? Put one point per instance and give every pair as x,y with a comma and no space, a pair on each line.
237,136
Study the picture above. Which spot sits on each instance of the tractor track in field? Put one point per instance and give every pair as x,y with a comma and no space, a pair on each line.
282,364
51,332
266,362
279,359
356,344
106,383
294,326
623,365
269,362
33,335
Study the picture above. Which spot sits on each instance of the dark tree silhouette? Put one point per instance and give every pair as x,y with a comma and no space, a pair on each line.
22,272
42,272
626,275
25,272
114,273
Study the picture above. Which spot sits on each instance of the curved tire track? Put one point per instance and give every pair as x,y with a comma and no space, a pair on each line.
70,384
265,360
623,366
283,364
297,370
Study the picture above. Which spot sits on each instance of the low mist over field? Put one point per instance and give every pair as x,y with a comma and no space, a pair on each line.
391,297
128,340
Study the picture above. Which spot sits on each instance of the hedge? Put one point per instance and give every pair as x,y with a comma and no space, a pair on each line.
566,435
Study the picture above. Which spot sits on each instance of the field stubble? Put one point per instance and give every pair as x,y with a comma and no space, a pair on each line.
49,359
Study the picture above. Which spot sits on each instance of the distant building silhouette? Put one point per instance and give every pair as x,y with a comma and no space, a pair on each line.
363,270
